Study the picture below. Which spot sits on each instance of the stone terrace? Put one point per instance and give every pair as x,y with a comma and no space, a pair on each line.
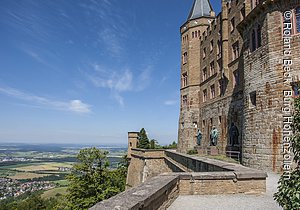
202,176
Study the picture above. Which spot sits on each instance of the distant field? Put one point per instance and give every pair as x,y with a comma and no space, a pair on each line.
6,172
27,175
17,164
50,166
53,192
61,183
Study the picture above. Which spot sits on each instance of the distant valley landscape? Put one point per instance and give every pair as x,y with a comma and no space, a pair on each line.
27,168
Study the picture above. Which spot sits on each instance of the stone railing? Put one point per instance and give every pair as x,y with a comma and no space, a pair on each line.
208,177
156,193
148,153
159,192
196,164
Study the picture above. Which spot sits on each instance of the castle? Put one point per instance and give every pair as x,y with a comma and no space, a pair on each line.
238,74
239,70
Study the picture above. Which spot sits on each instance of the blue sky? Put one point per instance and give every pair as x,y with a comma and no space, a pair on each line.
89,71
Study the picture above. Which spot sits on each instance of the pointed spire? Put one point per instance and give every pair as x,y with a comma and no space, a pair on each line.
201,8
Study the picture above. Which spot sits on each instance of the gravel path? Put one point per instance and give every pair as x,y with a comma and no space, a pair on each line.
231,202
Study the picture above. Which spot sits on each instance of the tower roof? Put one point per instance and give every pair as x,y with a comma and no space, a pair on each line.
201,8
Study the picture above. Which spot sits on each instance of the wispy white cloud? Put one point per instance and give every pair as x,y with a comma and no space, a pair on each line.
109,35
34,55
170,102
173,99
76,106
119,81
144,78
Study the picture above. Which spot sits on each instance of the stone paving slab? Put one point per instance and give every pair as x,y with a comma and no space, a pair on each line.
231,202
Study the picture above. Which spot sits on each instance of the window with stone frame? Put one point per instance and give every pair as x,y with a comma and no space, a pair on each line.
235,50
252,97
232,24
219,47
212,68
204,95
236,78
204,52
211,45
212,92
184,100
193,34
184,58
184,79
204,74
195,124
297,19
219,64
258,34
255,38
243,13
221,87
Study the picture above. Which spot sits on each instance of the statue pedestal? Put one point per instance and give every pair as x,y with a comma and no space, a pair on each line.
212,150
201,150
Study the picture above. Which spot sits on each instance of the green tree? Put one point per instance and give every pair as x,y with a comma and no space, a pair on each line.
91,181
171,146
143,139
288,195
154,144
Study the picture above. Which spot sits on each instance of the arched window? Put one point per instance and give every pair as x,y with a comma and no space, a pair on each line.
193,34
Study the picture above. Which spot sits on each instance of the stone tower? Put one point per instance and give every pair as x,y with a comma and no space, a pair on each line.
132,142
198,21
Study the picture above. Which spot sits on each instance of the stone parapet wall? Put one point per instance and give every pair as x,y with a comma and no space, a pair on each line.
213,183
149,153
196,164
143,166
157,193
160,191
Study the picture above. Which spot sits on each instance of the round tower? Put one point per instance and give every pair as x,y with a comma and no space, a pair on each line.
199,19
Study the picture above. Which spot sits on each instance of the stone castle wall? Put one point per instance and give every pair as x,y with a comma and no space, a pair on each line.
245,85
262,147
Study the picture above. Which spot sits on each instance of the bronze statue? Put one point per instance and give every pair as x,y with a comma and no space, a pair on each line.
233,135
214,134
199,137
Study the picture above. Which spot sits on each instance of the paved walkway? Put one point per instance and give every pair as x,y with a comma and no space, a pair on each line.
231,202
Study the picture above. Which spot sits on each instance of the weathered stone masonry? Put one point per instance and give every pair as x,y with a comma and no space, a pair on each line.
236,76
